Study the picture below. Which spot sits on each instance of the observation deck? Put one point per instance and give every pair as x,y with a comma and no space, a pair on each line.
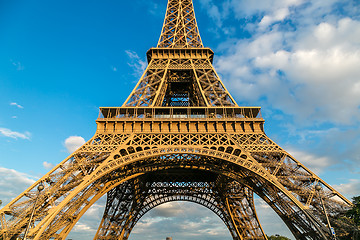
180,119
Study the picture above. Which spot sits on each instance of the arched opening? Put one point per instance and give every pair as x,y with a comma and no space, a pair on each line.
149,190
180,220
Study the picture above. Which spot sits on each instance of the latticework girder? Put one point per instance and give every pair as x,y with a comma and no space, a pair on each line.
203,86
74,184
231,202
180,28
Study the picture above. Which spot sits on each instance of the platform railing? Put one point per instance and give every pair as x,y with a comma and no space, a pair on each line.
180,113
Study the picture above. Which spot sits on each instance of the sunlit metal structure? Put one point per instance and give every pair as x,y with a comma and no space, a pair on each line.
180,136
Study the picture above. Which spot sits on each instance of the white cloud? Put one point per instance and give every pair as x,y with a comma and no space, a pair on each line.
311,74
180,220
278,15
349,189
170,209
315,163
254,7
114,68
15,104
82,227
72,143
328,149
13,183
19,66
304,11
48,165
306,66
12,134
213,12
136,63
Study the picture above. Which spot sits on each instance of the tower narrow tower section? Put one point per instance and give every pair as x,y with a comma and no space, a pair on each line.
180,71
180,29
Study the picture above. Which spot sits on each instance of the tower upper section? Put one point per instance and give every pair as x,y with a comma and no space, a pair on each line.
180,29
180,71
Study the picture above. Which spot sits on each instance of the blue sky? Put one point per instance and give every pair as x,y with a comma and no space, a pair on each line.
61,60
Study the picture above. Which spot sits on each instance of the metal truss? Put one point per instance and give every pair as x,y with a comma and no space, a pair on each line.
127,203
179,136
180,28
76,183
164,76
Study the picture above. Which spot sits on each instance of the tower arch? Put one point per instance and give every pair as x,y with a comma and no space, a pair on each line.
109,175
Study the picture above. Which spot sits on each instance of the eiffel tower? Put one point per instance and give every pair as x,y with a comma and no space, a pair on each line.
179,136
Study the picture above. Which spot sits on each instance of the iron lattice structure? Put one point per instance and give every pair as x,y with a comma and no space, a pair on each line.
180,136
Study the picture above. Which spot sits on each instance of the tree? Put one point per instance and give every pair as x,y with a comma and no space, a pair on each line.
277,237
351,222
354,215
354,212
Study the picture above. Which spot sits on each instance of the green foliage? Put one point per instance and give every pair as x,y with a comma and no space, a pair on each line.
354,213
277,237
351,222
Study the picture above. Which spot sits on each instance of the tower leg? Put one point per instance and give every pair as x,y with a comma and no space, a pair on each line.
121,210
238,201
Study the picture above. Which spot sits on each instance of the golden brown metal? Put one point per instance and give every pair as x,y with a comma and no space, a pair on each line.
179,136
180,28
